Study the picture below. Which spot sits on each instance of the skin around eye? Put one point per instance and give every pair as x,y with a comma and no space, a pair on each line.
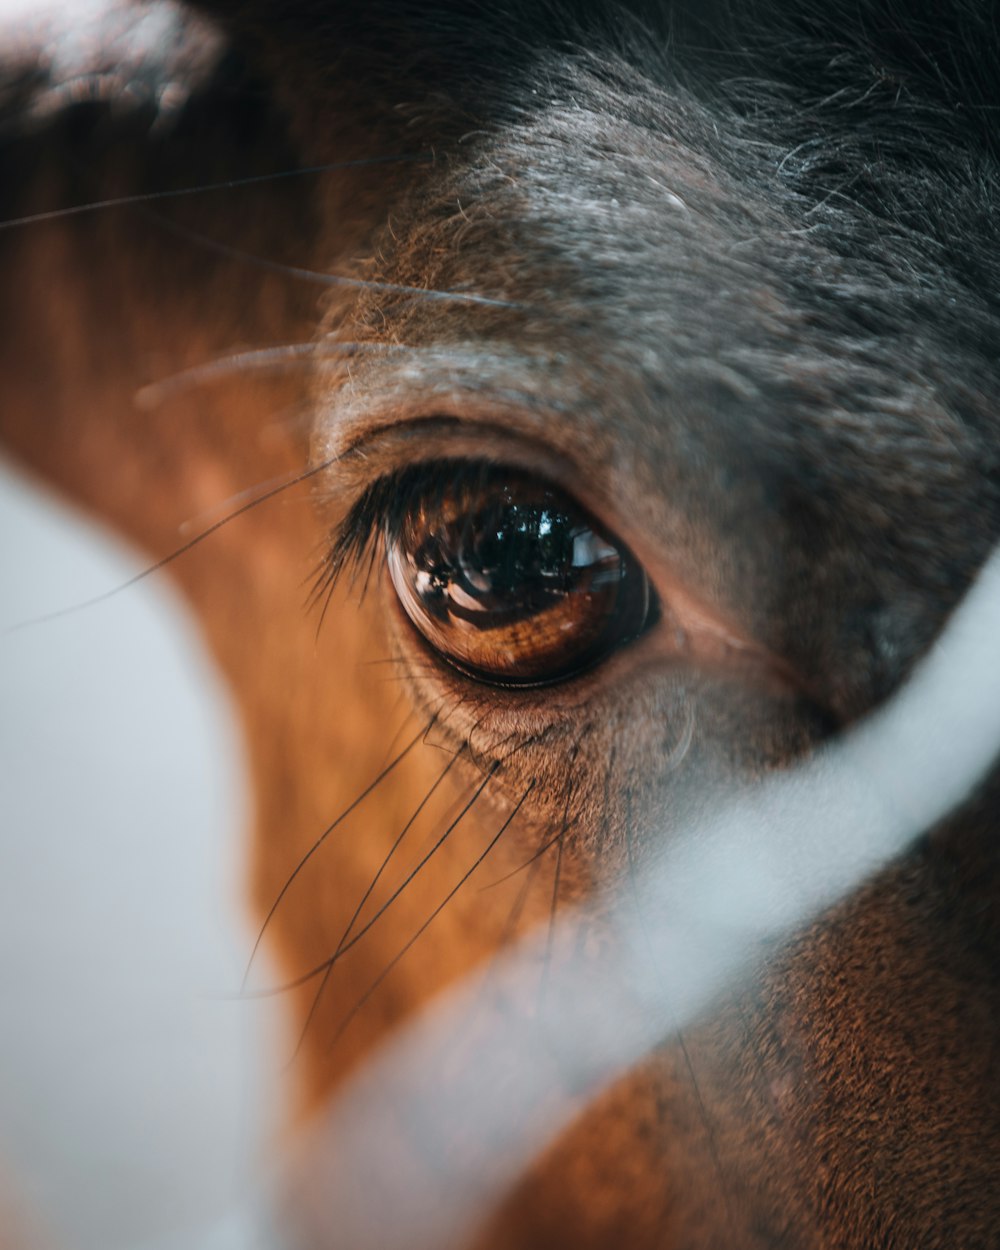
511,581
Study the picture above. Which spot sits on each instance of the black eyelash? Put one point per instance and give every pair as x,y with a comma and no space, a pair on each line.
379,515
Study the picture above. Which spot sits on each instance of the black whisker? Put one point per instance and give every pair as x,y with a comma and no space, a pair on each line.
533,858
703,1115
381,776
314,1006
514,916
150,197
176,554
393,742
223,507
427,923
505,936
395,660
305,977
560,847
404,676
554,907
332,279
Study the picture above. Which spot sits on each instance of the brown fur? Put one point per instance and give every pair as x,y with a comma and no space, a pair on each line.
847,1097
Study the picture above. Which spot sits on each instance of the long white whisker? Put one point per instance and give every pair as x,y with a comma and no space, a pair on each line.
228,184
332,279
278,359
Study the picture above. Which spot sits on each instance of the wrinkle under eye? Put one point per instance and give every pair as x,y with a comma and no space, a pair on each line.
508,578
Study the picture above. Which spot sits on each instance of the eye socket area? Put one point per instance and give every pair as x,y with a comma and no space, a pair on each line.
507,578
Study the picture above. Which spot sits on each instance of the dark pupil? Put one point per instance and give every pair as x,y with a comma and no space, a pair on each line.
508,579
504,563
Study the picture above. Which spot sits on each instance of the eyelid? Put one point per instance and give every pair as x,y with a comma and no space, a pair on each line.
396,445
383,451
684,631
706,637
393,445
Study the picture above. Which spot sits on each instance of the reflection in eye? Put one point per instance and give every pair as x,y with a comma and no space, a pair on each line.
508,578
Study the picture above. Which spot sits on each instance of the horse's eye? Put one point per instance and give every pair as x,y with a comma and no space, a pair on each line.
510,580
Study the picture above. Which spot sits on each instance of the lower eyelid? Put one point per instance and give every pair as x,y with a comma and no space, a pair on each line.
688,631
690,641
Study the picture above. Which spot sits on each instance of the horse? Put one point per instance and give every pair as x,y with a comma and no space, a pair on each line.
595,409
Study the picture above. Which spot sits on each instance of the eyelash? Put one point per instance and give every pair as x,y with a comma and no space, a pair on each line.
503,576
377,518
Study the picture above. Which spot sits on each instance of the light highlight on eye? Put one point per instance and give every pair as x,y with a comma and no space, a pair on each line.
509,579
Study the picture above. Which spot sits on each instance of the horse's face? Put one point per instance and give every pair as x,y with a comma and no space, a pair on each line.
653,442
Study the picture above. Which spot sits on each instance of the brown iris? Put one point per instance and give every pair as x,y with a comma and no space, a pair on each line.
510,580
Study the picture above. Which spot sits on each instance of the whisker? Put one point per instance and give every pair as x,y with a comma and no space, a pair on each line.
223,506
506,934
557,874
554,907
523,744
402,678
514,916
531,860
151,197
45,617
367,894
281,358
457,702
332,279
477,724
703,1116
305,977
380,777
429,921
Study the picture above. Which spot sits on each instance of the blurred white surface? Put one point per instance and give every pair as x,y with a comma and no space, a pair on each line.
136,1093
